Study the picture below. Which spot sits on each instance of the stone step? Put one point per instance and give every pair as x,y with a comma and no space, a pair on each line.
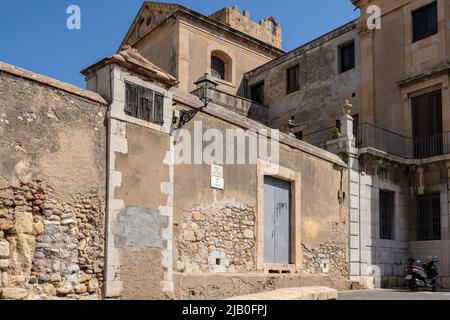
303,293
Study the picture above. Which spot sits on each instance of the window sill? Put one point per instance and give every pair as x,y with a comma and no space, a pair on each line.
225,83
292,91
431,39
343,72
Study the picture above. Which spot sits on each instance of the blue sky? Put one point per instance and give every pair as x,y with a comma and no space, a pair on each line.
34,36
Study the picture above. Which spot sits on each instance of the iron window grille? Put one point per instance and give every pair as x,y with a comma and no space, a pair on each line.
387,208
217,68
429,218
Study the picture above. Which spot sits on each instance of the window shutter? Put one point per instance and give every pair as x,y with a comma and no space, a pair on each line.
159,108
144,104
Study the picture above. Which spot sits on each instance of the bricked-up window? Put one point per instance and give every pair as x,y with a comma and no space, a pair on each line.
293,79
425,22
429,217
257,92
387,207
347,57
144,104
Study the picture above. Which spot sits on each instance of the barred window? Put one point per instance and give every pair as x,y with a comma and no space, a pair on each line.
217,68
387,206
144,104
429,217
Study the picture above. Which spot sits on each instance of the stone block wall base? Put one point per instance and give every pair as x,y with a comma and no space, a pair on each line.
200,286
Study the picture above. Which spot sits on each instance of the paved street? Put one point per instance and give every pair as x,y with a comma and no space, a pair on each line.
393,294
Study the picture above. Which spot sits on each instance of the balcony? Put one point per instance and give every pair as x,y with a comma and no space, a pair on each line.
371,136
240,105
320,138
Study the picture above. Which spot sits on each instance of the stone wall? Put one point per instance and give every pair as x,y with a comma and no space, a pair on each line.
329,257
52,187
267,30
218,237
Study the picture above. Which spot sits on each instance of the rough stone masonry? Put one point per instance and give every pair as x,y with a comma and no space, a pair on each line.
52,188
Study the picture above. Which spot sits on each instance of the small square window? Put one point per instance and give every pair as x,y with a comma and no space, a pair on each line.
293,79
347,57
425,22
257,92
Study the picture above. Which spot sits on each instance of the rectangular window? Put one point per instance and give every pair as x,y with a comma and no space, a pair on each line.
425,22
387,209
257,92
427,125
428,217
356,126
293,79
144,104
347,57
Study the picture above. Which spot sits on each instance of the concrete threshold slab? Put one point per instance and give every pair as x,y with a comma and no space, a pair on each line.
294,294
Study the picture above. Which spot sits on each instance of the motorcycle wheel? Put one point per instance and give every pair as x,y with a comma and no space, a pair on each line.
412,286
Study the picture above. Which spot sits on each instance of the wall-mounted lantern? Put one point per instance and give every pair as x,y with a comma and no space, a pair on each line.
206,88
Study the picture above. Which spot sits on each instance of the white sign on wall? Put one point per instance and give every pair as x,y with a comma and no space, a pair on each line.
217,183
216,171
217,180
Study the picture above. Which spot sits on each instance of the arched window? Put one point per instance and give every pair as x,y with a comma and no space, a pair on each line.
217,68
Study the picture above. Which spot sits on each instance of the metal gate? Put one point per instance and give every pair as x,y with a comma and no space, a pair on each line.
277,221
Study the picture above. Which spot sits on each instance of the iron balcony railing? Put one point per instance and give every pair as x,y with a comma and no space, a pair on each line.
321,137
371,136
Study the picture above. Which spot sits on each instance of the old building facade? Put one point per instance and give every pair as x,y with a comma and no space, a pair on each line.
136,188
397,82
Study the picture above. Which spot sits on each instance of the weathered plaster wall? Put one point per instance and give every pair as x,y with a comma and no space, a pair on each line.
199,42
161,47
222,224
52,187
137,231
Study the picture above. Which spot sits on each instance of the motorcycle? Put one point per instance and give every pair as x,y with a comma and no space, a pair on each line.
422,275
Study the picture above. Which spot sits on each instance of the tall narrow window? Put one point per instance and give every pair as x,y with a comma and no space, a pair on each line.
144,104
257,92
217,68
387,215
425,22
293,79
429,217
427,125
356,126
347,57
